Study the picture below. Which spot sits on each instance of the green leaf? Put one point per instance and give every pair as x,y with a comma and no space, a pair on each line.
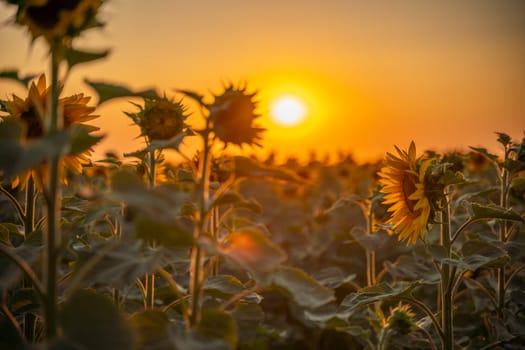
504,139
16,157
217,323
333,277
152,327
252,250
493,212
92,321
485,153
172,143
82,140
514,166
478,254
74,57
193,95
13,75
518,185
222,286
248,317
450,178
303,289
227,198
108,92
117,264
371,242
169,234
381,292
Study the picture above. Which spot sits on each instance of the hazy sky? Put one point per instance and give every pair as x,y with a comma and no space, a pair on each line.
446,74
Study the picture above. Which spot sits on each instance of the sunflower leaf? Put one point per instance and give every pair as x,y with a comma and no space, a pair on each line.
74,57
222,286
82,141
484,152
107,327
503,138
493,212
193,95
302,288
219,324
108,91
381,292
252,250
13,75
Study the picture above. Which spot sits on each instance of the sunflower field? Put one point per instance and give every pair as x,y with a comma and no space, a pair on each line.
420,250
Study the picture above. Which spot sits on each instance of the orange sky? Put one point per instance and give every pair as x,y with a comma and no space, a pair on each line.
446,74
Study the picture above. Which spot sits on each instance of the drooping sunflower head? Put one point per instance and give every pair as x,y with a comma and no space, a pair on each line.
401,319
55,19
233,116
403,185
32,112
160,118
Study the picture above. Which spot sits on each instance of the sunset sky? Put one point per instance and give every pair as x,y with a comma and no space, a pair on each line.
446,74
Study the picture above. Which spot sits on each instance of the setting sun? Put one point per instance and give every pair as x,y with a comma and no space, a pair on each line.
288,110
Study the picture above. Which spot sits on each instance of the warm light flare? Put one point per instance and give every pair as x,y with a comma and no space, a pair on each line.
288,110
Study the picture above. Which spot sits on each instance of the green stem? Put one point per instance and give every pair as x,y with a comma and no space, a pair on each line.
502,237
446,285
197,256
150,277
370,254
53,201
29,222
16,204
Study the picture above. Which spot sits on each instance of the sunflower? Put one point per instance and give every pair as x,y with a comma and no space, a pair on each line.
401,319
160,119
232,115
55,19
403,178
31,111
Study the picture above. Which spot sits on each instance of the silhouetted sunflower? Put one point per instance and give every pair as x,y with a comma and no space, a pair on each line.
233,115
403,178
401,319
160,119
55,19
32,110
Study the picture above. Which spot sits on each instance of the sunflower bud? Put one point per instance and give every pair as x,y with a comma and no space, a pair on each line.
232,115
160,119
401,319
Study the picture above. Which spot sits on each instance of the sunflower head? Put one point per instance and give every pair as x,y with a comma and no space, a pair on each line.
401,319
403,181
58,19
160,119
32,111
233,115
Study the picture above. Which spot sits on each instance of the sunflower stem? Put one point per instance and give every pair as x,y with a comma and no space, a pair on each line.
197,256
504,203
29,223
150,277
370,254
446,289
53,201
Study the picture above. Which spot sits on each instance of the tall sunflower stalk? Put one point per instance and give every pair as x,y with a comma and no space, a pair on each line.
412,196
58,22
161,120
229,119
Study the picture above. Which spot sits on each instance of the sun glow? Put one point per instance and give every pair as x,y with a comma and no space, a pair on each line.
288,110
